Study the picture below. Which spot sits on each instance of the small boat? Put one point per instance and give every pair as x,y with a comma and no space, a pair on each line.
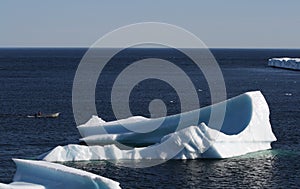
54,115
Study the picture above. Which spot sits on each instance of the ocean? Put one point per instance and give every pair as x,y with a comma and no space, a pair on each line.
41,79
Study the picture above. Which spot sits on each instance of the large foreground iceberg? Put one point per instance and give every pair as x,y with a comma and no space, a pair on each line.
290,63
44,175
245,128
240,113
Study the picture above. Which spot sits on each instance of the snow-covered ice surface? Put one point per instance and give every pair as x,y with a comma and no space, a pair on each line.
290,63
246,128
45,175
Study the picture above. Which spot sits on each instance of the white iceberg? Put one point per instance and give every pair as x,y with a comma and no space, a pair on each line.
241,112
21,185
290,63
246,128
44,175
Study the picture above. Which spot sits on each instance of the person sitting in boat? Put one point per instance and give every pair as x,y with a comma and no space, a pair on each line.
39,113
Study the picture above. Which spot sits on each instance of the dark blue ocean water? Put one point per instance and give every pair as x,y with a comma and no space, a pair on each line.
33,80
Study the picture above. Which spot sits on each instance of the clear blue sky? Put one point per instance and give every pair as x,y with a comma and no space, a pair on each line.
219,23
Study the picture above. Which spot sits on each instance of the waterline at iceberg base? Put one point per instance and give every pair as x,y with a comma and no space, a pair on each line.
246,128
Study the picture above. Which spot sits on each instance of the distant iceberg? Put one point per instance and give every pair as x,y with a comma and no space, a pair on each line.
290,63
245,128
44,175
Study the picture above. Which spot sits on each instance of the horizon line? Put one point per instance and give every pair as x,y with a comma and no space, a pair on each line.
87,47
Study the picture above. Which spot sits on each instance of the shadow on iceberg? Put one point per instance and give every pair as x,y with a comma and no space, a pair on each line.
44,175
245,128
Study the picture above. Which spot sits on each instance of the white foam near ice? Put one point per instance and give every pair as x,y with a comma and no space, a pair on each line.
32,174
245,128
290,63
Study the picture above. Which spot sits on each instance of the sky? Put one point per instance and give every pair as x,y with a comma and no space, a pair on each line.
218,23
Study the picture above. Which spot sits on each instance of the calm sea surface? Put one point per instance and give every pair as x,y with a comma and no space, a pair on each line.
33,80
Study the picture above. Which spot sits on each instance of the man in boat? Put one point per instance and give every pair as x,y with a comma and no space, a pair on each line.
38,114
